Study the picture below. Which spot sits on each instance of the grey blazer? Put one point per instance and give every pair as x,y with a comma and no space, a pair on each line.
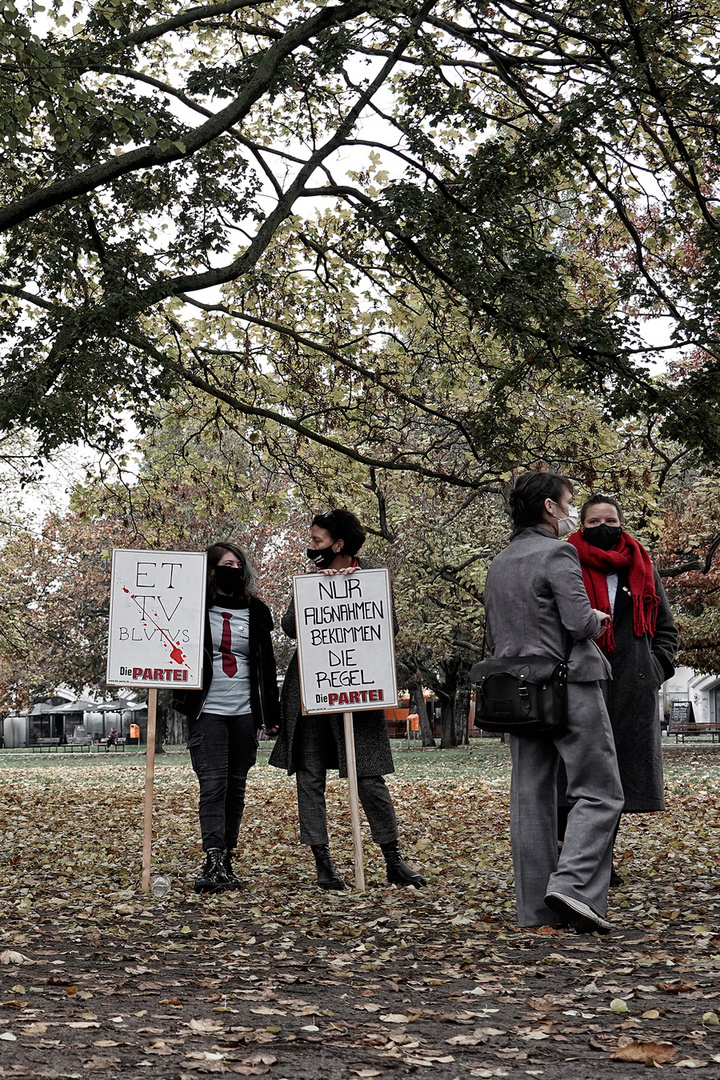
534,594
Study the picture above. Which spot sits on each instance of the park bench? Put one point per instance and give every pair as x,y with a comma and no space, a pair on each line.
681,730
119,745
46,744
83,742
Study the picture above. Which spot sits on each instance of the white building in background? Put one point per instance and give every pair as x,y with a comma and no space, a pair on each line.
703,691
676,689
58,720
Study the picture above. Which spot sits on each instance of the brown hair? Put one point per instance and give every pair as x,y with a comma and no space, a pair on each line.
527,498
595,500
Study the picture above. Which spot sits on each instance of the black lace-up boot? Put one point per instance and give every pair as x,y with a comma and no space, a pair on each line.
213,876
234,880
398,871
327,875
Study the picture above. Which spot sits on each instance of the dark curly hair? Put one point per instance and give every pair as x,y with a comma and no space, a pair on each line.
527,498
342,525
214,554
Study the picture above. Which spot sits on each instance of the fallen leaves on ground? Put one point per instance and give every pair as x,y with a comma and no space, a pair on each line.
284,980
648,1052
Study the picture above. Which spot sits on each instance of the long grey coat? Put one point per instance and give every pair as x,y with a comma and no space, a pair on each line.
640,665
372,745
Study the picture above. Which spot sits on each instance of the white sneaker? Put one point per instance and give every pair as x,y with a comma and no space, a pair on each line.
579,915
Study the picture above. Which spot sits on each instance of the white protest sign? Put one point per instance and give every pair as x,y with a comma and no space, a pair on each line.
157,614
345,641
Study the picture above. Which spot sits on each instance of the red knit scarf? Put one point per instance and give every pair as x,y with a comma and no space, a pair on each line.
631,556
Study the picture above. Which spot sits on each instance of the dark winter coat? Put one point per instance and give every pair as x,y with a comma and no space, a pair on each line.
372,745
264,700
640,665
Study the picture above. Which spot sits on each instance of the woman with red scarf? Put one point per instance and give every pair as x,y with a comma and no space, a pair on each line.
640,641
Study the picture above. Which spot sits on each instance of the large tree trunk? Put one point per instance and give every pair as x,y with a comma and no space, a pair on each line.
164,699
159,732
175,727
448,737
417,705
462,711
447,692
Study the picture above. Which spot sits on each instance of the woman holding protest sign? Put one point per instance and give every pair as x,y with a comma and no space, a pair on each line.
309,745
238,697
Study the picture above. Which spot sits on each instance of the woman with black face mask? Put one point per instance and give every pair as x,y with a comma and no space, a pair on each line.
640,641
310,745
239,696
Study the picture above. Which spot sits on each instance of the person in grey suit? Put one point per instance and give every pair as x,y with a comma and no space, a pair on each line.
534,598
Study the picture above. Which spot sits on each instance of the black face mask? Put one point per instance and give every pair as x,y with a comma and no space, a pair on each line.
229,580
604,537
322,557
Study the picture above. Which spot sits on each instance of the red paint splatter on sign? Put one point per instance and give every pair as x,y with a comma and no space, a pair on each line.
176,652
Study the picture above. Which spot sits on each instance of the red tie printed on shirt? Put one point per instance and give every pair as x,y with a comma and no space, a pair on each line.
229,663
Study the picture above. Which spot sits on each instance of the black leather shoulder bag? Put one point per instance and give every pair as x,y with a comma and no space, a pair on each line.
522,695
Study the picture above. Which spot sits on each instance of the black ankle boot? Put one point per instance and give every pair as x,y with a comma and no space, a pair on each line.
213,876
398,871
327,875
234,880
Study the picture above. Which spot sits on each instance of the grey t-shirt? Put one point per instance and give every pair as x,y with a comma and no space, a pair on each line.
229,693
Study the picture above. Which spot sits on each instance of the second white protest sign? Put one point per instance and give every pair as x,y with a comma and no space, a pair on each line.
345,641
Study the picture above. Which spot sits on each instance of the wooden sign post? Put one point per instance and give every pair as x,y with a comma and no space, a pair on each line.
157,618
149,783
346,658
354,801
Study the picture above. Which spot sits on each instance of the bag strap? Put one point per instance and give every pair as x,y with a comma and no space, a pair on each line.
571,643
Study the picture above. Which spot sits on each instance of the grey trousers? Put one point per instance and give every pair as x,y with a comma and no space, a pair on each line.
314,754
582,870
